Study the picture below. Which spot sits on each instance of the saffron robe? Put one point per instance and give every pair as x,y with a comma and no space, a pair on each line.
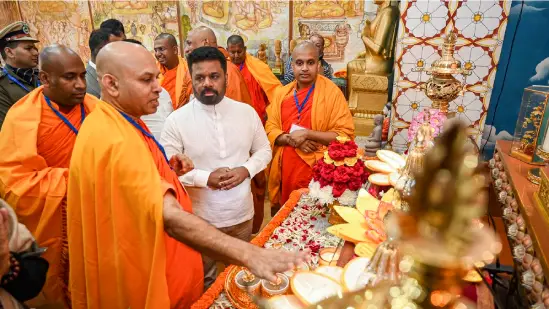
262,84
36,147
329,113
120,255
177,82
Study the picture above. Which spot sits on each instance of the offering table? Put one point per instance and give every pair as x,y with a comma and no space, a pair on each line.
299,225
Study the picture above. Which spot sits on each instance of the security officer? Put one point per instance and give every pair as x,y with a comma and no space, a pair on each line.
20,75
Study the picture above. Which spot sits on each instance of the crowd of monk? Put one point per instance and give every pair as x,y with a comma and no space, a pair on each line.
138,173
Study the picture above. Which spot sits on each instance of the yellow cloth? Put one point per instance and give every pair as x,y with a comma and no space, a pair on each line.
183,84
330,113
36,147
117,242
263,75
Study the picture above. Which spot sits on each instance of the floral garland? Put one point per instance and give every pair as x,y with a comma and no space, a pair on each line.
207,299
436,121
340,174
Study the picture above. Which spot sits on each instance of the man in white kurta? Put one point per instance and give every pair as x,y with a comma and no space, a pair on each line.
155,122
226,141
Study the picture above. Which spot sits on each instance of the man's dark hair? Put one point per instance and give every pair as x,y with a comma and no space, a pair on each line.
235,39
206,53
114,26
171,39
7,44
98,39
133,41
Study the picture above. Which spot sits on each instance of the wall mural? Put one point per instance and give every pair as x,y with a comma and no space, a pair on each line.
481,28
339,22
257,21
9,13
64,22
143,20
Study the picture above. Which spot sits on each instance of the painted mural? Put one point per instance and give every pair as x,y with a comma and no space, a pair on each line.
64,22
339,22
524,62
143,20
481,28
9,13
257,21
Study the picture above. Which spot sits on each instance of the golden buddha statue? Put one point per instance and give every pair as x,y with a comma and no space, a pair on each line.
367,75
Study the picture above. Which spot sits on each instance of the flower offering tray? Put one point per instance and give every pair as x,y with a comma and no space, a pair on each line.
239,298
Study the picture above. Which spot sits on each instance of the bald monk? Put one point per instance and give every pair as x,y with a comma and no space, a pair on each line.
304,117
132,234
36,143
175,76
236,85
262,85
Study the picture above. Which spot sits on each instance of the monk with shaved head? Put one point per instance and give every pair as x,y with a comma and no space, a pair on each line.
36,141
236,85
175,76
305,116
133,239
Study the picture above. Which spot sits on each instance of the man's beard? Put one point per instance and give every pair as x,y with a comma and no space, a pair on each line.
209,100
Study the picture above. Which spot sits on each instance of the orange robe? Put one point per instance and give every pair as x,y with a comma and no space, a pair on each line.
36,147
120,255
261,82
177,82
236,85
262,85
329,113
223,51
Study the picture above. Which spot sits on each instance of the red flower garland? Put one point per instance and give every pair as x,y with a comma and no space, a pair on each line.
341,177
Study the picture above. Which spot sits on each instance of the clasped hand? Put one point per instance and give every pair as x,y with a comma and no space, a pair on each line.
300,139
225,178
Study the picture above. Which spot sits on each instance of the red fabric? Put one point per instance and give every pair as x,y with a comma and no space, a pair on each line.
259,98
296,173
185,284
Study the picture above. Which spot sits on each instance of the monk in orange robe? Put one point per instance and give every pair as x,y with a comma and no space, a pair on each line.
36,143
262,84
236,85
175,76
132,234
304,117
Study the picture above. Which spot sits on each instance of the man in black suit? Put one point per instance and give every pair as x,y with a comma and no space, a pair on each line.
98,39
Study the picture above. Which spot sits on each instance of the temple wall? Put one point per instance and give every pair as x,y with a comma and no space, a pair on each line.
258,21
481,29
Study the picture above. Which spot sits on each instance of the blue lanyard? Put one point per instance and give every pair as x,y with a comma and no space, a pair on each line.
147,134
65,120
15,80
241,66
302,105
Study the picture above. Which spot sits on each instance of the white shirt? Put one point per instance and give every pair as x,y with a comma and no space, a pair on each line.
229,134
155,121
92,65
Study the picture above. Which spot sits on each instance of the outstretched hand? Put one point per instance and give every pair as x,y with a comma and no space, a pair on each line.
266,263
181,164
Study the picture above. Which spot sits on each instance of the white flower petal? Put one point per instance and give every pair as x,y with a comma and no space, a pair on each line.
414,13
